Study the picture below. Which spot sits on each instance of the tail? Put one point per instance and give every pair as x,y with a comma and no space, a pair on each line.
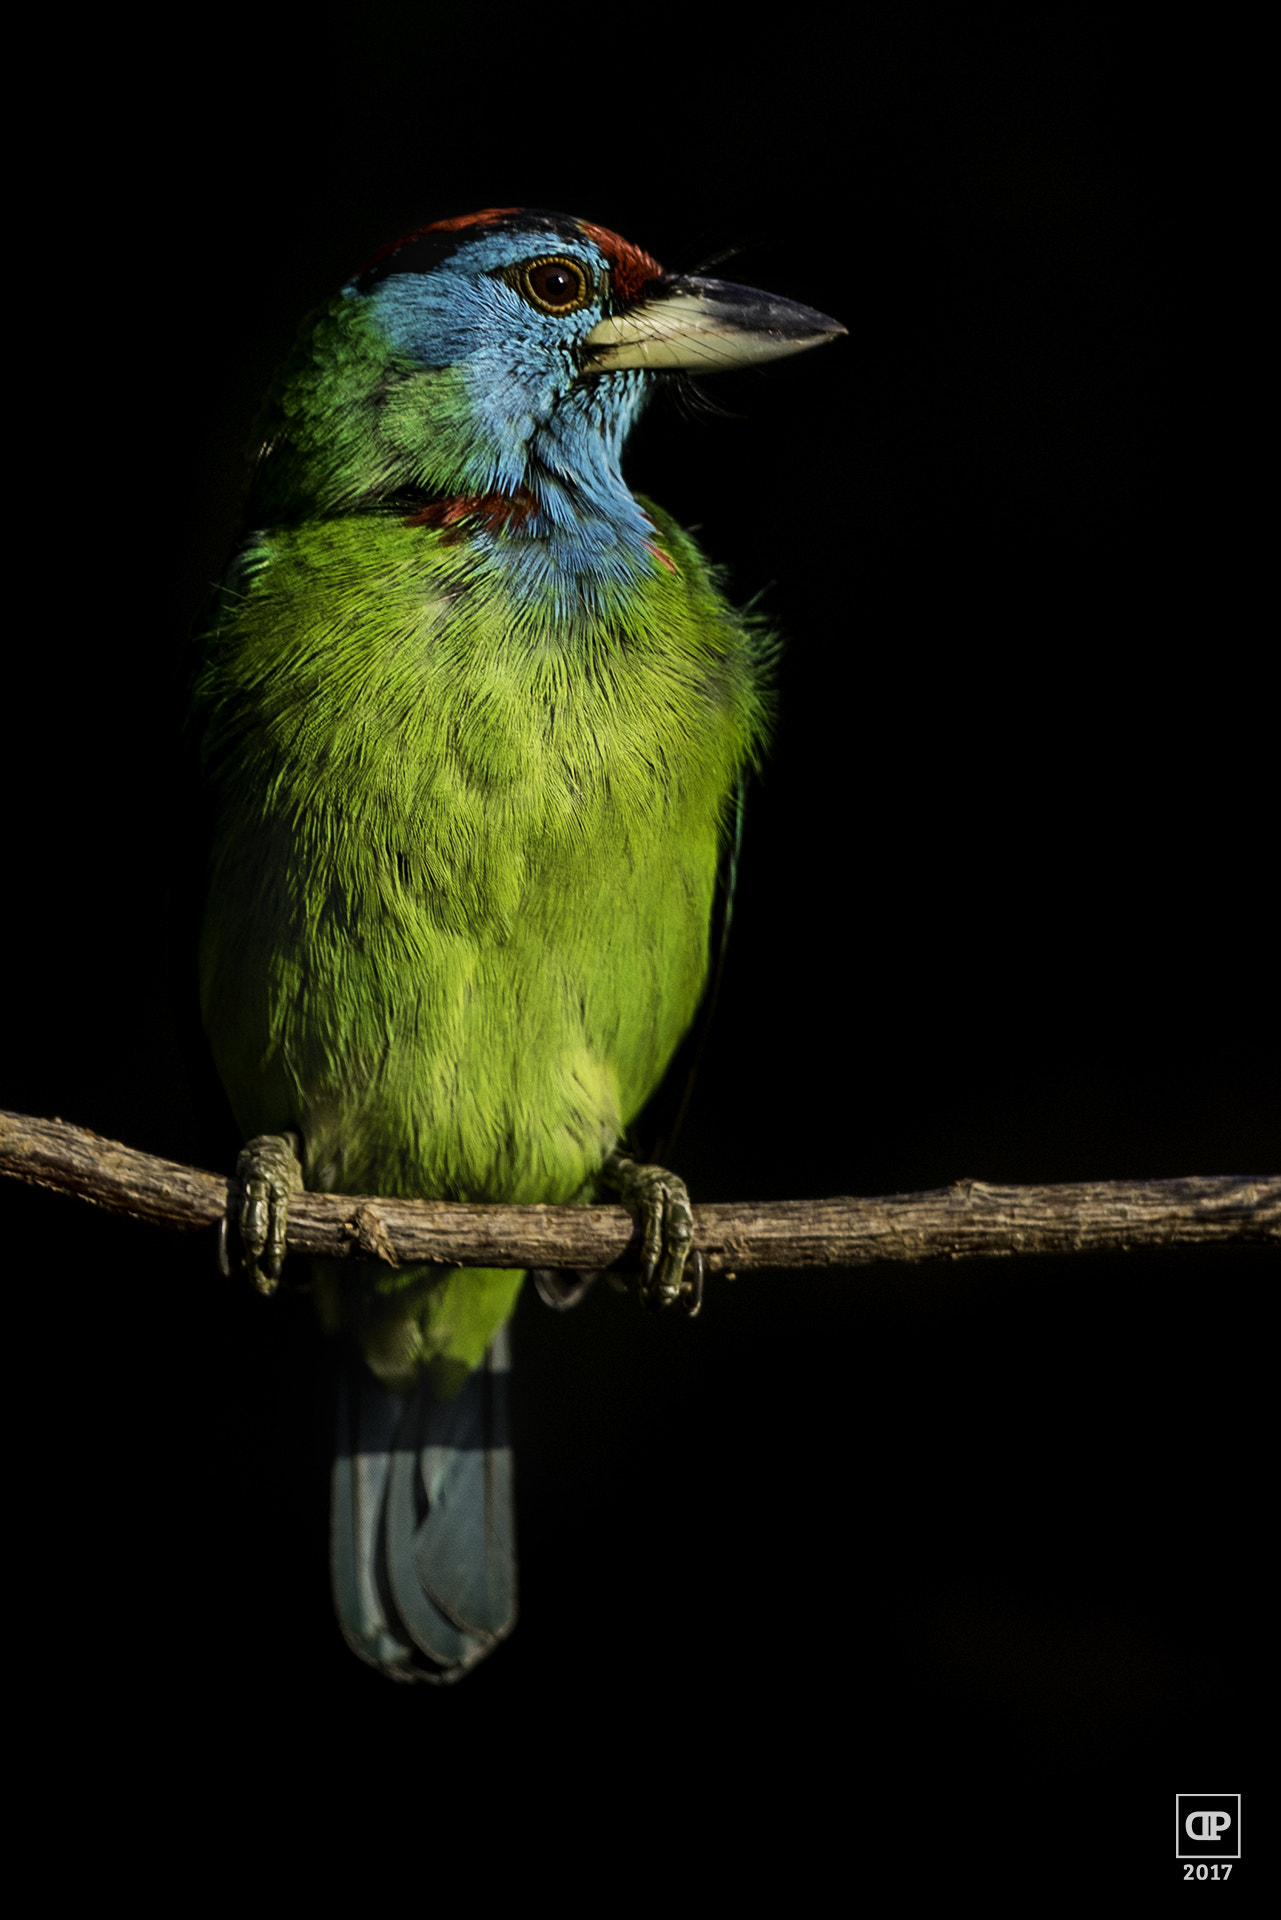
423,1535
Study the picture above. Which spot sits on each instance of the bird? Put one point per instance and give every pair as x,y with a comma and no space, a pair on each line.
474,722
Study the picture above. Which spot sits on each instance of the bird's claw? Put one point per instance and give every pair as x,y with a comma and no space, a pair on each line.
671,1267
561,1290
267,1172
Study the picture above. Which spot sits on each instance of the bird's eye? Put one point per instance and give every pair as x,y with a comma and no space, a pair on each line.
555,286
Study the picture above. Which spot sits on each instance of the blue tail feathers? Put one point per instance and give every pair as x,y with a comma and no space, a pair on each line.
423,1527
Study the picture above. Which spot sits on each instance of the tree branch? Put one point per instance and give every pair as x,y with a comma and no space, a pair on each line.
968,1219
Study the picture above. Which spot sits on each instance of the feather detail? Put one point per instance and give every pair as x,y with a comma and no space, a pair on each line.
423,1531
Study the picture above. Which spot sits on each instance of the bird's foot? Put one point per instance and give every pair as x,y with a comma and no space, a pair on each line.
267,1172
671,1266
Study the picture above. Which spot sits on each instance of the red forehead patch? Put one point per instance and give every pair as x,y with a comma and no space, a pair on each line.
632,266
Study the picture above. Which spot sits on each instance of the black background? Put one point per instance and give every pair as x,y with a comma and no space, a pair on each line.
848,1558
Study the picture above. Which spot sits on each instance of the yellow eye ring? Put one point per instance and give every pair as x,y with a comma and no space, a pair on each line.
554,284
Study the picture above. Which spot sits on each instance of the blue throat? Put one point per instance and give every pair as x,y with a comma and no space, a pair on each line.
557,521
581,534
525,458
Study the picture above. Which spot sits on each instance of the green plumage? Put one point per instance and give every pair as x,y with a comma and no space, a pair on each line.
464,863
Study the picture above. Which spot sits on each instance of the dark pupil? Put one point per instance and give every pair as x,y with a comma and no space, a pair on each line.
558,285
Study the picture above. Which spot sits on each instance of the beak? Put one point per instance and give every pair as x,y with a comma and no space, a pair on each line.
707,325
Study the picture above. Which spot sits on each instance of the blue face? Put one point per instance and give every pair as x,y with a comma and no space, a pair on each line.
503,317
510,312
499,297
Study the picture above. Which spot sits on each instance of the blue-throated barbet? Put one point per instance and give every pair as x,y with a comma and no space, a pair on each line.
475,720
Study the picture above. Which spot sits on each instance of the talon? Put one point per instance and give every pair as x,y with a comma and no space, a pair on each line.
659,1203
692,1291
267,1172
560,1290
